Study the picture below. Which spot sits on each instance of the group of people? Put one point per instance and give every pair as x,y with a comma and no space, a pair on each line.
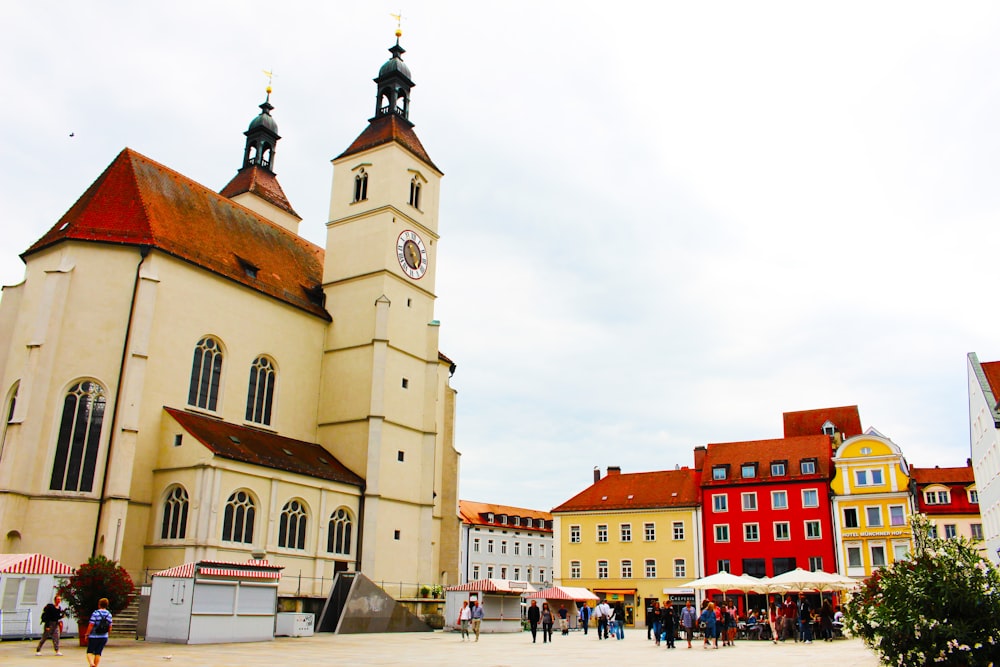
470,615
660,622
610,620
545,616
98,629
716,621
796,619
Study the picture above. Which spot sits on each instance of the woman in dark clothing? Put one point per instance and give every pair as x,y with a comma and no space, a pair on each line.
546,623
826,621
667,623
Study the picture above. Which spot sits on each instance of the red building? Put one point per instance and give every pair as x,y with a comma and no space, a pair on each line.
948,496
766,505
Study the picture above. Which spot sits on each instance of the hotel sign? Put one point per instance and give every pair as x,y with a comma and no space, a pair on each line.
876,533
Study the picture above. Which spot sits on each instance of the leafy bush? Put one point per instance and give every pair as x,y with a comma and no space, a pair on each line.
98,578
942,606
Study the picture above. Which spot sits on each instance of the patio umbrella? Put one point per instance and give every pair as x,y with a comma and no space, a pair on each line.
721,581
805,580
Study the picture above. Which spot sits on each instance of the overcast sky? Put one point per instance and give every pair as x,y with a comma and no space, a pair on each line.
663,224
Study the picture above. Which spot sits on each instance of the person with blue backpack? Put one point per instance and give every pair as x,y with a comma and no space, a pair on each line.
97,632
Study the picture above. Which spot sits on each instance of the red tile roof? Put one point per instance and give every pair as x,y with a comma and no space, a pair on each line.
474,513
763,453
991,369
250,445
640,490
938,475
137,201
810,422
384,129
261,182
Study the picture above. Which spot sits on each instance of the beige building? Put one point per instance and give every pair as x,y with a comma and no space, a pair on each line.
184,377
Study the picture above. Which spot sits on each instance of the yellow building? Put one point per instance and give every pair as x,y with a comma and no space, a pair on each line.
184,377
630,538
872,504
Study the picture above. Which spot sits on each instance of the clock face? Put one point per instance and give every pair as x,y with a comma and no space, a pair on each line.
412,254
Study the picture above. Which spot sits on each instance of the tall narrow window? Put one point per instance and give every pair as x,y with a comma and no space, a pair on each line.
11,404
79,438
206,371
237,522
175,515
338,534
415,193
292,526
361,186
261,391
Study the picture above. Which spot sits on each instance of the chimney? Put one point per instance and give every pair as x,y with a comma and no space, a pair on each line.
699,456
614,470
597,474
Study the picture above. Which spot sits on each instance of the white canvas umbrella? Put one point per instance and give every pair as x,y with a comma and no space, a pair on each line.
721,581
804,580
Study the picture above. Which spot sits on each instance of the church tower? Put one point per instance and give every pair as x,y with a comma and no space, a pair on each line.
255,184
386,410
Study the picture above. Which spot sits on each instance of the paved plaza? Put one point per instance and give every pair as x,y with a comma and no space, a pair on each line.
446,648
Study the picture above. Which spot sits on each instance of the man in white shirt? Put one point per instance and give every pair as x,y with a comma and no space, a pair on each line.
603,614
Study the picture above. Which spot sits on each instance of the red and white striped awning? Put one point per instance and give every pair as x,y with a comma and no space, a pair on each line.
563,593
495,586
32,564
253,569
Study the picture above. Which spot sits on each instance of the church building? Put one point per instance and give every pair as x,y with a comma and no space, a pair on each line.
184,377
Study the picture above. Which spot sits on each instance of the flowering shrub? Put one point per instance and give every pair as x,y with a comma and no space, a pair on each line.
98,578
942,606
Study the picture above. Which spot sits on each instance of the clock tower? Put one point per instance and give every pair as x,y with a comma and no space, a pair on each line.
386,410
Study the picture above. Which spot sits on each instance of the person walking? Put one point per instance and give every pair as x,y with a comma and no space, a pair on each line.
603,614
689,616
585,617
805,619
653,621
534,615
619,618
97,632
707,623
52,624
789,614
464,617
667,623
774,620
546,623
826,621
477,618
563,619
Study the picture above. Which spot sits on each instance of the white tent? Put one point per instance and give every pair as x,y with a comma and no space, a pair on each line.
28,583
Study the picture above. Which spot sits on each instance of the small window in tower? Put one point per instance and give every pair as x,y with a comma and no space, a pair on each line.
415,193
178,440
395,534
361,186
400,455
406,383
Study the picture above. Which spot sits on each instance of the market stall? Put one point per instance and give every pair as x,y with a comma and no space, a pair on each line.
558,596
501,600
27,583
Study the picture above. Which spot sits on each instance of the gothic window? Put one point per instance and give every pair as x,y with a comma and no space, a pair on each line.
338,534
260,394
206,371
361,186
237,522
292,526
415,192
79,438
9,415
175,514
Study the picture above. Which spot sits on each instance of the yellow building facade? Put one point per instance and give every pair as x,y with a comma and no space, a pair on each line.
630,538
872,504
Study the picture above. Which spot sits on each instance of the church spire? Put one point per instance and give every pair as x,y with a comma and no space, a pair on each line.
262,137
393,83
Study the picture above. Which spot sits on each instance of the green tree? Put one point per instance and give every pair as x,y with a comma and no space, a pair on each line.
98,578
942,606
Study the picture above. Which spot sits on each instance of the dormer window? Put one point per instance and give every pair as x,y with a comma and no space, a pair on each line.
249,270
720,472
748,470
779,468
503,519
829,428
808,466
489,517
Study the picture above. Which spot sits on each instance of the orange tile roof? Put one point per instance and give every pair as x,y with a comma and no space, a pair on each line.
639,490
384,129
936,475
991,369
472,512
250,445
810,422
763,452
261,182
137,201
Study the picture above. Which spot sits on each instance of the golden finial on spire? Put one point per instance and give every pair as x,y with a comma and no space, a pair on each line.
399,23
270,75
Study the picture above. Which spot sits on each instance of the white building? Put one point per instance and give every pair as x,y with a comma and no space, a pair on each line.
504,542
984,433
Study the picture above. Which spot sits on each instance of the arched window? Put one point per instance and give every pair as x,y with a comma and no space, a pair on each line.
361,186
79,438
8,415
175,515
292,526
415,192
261,392
237,522
206,371
338,534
